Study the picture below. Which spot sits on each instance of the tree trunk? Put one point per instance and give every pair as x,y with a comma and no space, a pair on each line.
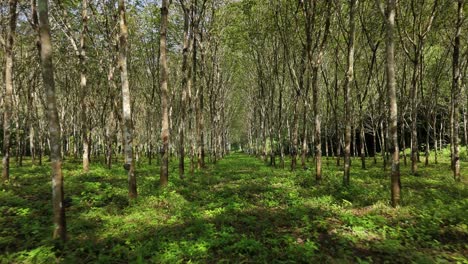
83,87
414,116
186,82
32,148
164,97
363,150
456,79
54,125
199,110
294,136
383,144
347,93
403,141
8,97
126,107
280,125
428,149
317,127
389,15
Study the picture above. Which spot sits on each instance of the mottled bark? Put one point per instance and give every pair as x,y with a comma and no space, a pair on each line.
347,93
362,136
456,93
164,176
294,135
199,120
389,16
318,122
8,96
186,83
83,86
414,116
54,125
127,112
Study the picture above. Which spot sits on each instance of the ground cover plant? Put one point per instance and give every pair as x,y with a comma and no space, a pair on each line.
233,131
237,211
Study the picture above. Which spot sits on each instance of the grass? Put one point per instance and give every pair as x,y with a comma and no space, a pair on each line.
237,211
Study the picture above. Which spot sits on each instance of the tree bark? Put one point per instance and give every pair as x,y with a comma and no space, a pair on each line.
199,110
54,125
164,96
186,82
8,97
389,15
83,87
126,107
347,93
317,127
456,80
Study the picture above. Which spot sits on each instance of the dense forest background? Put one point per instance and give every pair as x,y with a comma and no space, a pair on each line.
365,101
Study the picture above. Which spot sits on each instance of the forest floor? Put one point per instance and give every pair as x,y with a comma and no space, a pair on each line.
237,211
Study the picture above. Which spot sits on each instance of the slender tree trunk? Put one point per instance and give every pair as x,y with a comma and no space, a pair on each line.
199,110
363,141
164,98
83,87
456,79
54,125
186,82
428,149
383,143
32,147
465,127
280,123
304,136
389,15
127,110
441,134
317,127
414,116
8,97
374,144
326,147
39,149
294,139
109,137
403,141
347,93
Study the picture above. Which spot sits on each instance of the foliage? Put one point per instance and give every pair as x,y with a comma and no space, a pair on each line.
239,210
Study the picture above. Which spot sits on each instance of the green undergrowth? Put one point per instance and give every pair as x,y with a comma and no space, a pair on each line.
239,210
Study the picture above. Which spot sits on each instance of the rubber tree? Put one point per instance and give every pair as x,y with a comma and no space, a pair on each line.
8,46
456,94
47,67
347,92
165,96
127,110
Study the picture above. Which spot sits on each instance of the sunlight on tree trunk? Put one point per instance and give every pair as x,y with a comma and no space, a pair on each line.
127,112
54,125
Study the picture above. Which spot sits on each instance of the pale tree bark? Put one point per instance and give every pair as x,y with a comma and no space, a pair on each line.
164,96
456,93
83,87
199,120
127,112
347,93
280,122
8,97
389,16
54,125
186,83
